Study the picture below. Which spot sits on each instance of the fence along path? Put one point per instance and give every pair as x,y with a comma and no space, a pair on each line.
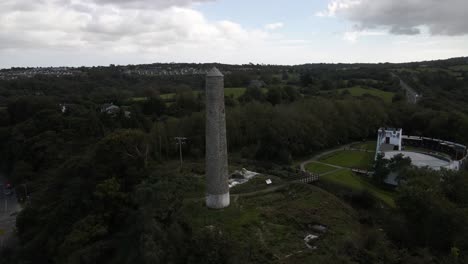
307,177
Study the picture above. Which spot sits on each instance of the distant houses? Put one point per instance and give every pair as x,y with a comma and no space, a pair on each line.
110,109
113,110
257,84
18,73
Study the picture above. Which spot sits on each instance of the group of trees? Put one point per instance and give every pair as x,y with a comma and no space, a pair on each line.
431,215
324,78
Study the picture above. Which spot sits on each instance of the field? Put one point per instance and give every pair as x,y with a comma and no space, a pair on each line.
235,92
276,223
350,159
319,168
345,177
360,91
453,70
139,99
459,68
368,145
348,179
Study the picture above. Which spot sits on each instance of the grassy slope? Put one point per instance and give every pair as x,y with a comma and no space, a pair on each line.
360,91
356,159
318,168
350,159
279,221
348,179
368,145
257,183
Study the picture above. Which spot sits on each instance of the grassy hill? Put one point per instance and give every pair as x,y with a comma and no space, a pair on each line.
345,177
348,179
275,224
360,91
350,159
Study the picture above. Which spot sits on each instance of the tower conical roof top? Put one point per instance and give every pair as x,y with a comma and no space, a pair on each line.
214,72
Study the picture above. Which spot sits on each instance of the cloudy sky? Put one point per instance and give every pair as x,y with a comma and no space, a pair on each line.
101,32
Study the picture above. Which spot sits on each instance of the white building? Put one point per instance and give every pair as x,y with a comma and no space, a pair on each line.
388,139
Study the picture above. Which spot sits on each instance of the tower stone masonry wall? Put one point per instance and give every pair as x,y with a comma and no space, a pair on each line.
217,188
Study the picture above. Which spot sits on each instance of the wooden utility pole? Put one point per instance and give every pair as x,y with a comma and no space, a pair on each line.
180,141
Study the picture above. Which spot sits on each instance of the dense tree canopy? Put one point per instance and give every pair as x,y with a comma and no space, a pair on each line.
100,190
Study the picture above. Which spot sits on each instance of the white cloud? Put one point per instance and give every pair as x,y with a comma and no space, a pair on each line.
145,4
72,32
353,36
274,26
91,24
403,17
90,32
335,6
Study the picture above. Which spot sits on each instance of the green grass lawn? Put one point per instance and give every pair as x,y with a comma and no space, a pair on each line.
318,168
350,159
139,99
168,96
360,91
350,180
235,92
368,145
171,96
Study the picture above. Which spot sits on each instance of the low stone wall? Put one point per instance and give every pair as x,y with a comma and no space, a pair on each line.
456,151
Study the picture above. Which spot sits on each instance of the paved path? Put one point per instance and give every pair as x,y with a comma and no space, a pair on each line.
331,172
328,164
362,150
9,207
412,96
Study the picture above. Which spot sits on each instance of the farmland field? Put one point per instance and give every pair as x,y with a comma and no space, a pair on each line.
360,91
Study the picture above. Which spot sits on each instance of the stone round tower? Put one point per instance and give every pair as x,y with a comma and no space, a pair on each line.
217,187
